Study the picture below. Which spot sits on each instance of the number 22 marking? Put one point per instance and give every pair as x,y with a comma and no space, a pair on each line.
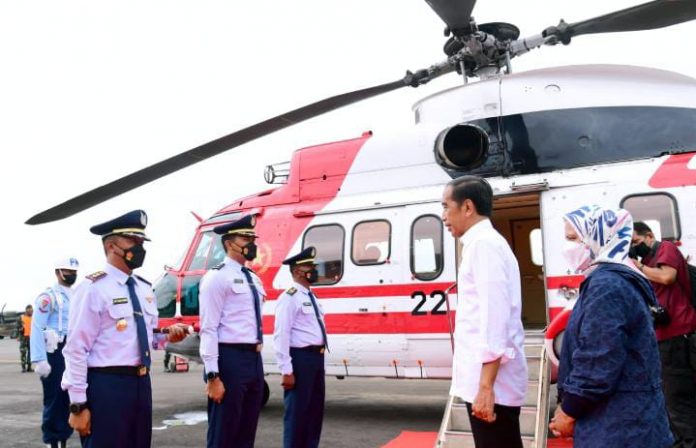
436,309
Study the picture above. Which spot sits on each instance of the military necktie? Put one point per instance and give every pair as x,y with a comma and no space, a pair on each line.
257,303
316,313
139,323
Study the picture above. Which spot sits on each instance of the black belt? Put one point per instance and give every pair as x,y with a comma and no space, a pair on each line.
245,347
311,348
122,370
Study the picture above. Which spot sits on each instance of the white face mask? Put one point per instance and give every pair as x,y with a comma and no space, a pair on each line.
577,255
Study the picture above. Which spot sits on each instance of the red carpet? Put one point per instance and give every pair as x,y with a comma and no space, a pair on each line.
412,439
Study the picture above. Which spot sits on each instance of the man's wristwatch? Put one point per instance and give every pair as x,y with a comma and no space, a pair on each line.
76,408
212,375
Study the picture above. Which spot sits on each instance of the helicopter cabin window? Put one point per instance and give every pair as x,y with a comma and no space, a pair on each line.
536,244
328,240
657,210
371,242
209,252
426,247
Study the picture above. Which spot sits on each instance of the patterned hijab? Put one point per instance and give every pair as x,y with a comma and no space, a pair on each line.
606,232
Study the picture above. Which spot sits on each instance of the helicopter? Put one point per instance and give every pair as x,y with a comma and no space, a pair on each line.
547,140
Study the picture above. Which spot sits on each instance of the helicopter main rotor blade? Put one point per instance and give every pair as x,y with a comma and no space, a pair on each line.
648,16
455,13
215,147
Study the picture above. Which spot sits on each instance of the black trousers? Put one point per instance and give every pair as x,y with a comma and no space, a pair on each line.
679,386
121,407
504,432
304,405
232,423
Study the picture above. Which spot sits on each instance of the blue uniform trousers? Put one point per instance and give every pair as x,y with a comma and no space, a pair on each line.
121,407
56,401
304,405
232,423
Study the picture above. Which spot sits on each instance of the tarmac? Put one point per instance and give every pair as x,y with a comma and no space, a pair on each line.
360,412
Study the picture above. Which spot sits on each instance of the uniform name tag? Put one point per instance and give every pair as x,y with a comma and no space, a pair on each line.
307,304
238,280
120,300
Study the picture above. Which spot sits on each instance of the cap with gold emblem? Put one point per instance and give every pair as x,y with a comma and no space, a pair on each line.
243,226
304,257
131,224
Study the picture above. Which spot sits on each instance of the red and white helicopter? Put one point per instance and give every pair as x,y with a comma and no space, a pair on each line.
548,140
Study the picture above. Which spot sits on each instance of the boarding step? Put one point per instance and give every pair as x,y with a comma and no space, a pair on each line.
455,430
455,439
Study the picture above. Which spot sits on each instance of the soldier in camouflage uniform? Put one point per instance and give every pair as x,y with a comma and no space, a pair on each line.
23,335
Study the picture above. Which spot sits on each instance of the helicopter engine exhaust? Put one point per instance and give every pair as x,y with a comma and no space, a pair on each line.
462,147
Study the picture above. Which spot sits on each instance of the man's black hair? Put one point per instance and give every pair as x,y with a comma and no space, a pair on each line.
641,228
476,189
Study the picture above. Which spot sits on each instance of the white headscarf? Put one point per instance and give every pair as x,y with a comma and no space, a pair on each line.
606,232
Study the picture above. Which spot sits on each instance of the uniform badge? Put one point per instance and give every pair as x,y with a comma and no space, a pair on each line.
96,276
119,301
149,299
44,304
121,324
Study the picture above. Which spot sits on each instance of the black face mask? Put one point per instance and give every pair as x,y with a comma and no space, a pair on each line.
69,279
639,250
134,257
249,251
312,276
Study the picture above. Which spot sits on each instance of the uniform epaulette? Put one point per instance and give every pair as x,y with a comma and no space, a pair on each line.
96,276
291,291
143,280
217,267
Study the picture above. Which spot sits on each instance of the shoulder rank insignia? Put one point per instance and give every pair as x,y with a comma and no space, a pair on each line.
217,267
96,276
143,280
291,291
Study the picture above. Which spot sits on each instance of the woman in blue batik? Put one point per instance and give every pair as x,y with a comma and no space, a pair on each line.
609,376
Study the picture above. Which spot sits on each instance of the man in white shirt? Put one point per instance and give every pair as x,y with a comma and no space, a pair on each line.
489,367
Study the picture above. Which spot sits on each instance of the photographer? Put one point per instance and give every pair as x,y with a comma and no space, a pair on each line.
663,264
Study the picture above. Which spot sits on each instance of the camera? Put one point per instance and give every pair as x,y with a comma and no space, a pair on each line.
660,316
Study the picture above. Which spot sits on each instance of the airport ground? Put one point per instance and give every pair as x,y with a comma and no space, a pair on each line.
360,412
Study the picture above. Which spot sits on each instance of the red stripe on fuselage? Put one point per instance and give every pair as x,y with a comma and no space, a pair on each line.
376,323
568,281
674,172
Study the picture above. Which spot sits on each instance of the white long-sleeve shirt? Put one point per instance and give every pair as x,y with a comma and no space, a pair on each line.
296,325
227,310
95,338
488,321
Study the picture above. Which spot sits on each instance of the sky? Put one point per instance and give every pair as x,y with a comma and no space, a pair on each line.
93,90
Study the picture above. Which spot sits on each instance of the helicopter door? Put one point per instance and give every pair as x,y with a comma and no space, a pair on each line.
517,218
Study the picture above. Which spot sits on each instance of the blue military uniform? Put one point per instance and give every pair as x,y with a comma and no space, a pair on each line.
50,328
231,333
108,349
609,373
300,342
